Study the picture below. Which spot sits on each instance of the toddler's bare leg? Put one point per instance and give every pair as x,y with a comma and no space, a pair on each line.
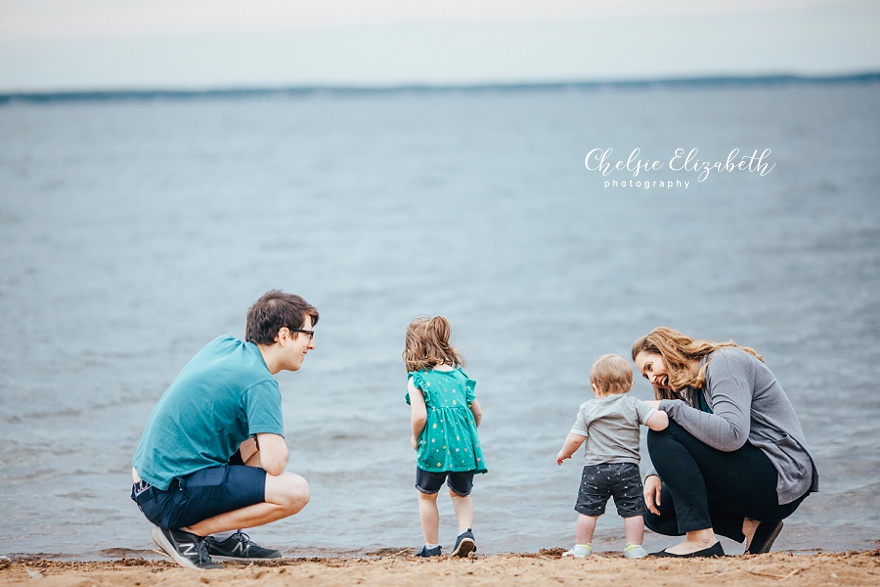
635,529
583,532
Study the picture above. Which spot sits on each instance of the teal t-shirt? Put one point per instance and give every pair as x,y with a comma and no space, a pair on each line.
449,442
224,395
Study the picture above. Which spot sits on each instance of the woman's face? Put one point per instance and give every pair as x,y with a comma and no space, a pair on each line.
653,368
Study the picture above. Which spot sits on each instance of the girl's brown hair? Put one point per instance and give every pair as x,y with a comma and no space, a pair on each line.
677,351
427,344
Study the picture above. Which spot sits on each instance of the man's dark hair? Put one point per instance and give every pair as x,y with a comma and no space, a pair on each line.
272,312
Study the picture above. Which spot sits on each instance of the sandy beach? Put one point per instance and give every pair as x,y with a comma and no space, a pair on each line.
546,567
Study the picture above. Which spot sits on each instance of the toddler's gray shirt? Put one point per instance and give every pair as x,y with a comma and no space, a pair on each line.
611,425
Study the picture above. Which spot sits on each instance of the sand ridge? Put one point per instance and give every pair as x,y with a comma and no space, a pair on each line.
546,567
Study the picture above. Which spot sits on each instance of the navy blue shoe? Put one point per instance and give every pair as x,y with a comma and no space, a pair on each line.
187,550
240,548
426,552
464,544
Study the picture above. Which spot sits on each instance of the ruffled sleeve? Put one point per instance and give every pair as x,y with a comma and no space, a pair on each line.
417,378
469,386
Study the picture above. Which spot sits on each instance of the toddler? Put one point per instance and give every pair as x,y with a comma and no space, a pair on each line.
609,427
445,416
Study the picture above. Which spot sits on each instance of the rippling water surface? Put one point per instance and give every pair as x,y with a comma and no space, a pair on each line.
133,232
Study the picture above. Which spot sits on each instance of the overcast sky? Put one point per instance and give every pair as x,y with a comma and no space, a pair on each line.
122,44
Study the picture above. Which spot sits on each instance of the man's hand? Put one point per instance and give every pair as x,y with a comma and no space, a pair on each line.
652,493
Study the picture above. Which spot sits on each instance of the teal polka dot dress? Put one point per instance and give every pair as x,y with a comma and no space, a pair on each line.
450,442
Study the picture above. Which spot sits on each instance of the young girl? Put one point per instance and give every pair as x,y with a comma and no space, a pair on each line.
445,416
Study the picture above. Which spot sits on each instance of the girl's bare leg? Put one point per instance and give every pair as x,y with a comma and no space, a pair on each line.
430,517
464,511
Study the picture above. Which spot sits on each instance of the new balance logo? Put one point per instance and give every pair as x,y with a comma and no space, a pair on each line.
188,548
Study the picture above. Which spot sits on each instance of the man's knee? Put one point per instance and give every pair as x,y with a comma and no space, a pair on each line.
288,490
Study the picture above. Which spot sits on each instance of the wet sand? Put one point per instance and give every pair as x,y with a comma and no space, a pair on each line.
397,570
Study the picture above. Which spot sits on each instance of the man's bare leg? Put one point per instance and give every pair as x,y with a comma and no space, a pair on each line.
286,495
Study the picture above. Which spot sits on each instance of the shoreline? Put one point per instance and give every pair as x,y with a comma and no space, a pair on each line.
547,566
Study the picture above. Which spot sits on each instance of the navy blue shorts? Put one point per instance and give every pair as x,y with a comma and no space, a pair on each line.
201,495
620,480
430,483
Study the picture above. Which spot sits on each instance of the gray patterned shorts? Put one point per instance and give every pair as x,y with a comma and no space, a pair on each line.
619,480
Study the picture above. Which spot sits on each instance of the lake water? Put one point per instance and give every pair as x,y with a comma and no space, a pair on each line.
134,232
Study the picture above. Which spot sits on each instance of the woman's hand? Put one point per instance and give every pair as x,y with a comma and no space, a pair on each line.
652,493
414,442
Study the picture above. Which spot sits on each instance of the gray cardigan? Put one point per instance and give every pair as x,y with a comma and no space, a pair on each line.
749,405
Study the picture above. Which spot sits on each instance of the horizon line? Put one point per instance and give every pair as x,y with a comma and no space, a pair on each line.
44,96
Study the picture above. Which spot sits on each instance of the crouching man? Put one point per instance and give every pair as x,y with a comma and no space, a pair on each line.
212,457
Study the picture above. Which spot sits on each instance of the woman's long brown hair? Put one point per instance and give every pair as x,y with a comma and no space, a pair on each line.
677,351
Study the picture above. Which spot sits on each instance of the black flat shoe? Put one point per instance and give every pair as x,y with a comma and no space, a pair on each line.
714,550
765,534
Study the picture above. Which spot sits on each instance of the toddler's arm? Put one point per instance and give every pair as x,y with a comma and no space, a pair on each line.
477,411
569,447
419,413
658,421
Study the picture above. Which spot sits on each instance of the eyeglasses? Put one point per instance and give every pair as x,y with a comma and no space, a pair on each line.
309,333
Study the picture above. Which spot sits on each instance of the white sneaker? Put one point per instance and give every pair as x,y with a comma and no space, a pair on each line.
634,551
580,551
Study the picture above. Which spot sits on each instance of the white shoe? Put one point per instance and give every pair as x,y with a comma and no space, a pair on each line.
635,551
580,551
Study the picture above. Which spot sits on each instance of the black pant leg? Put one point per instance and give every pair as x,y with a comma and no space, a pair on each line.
724,520
713,488
682,476
667,522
